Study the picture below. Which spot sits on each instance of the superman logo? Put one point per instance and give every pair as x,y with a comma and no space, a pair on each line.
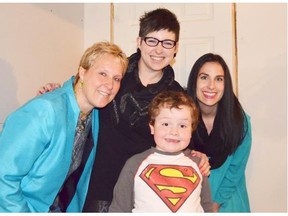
172,183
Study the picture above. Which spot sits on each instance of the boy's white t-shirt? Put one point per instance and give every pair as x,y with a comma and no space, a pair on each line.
155,181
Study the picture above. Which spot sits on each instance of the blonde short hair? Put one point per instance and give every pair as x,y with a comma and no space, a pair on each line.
99,49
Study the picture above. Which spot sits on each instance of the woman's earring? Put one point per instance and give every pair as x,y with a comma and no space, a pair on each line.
81,84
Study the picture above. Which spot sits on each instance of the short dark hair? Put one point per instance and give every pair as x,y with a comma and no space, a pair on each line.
157,20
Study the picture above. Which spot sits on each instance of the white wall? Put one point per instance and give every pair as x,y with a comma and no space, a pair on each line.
39,43
262,48
97,23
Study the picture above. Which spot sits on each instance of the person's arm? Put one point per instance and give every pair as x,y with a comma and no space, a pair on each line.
236,170
48,88
215,207
206,200
22,140
123,194
204,165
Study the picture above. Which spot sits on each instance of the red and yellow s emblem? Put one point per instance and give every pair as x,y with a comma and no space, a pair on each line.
172,183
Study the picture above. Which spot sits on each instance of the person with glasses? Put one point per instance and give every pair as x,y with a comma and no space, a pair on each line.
124,125
124,129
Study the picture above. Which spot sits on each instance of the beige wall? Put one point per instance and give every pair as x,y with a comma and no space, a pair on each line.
42,43
39,43
97,23
262,48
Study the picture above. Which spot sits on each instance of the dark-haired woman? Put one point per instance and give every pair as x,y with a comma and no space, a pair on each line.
223,133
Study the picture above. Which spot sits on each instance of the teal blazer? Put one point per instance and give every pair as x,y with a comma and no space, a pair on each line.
228,184
35,152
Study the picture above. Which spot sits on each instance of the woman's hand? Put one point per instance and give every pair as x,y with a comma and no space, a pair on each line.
215,207
204,165
48,88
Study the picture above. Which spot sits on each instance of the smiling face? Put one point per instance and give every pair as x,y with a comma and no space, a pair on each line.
172,128
210,85
158,57
101,82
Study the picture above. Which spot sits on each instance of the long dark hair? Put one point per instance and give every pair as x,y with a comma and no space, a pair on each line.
230,112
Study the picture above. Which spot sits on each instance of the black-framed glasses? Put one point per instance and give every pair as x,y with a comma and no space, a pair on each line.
153,42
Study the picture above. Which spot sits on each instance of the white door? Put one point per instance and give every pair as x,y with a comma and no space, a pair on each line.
203,28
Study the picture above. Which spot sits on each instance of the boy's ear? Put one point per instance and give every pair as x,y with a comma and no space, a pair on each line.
151,129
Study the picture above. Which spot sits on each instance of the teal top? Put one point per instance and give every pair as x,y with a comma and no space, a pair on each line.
228,184
35,152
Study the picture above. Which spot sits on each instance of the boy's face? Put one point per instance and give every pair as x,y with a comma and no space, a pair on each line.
172,129
157,57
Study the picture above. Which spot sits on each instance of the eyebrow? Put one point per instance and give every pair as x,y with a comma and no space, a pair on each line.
203,73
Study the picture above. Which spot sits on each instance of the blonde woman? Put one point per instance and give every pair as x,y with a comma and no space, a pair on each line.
47,146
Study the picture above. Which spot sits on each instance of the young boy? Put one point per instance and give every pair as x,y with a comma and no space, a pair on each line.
165,178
